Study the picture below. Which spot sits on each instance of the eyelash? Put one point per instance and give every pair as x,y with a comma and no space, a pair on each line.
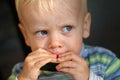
42,32
68,27
65,29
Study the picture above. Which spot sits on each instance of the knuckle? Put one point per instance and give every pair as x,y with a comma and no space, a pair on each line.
69,63
27,59
40,49
37,63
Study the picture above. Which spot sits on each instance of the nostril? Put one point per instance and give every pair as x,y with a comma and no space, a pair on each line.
55,45
60,46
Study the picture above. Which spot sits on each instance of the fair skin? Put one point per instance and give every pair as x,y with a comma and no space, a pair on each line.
59,33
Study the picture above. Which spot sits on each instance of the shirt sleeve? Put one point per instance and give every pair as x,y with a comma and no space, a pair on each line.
16,78
113,70
15,71
12,77
94,76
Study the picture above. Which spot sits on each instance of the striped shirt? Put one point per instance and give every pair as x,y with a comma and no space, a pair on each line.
103,64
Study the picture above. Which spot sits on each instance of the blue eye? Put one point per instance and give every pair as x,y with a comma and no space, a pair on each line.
67,28
42,32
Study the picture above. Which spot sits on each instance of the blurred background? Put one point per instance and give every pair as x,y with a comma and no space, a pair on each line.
105,31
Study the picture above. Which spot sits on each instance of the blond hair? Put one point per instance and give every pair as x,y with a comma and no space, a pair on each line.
43,4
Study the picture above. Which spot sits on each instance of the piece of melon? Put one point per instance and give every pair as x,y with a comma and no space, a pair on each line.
50,66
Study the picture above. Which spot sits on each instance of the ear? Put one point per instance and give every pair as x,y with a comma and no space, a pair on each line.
86,25
25,35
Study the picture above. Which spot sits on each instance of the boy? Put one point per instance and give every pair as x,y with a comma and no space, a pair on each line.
54,29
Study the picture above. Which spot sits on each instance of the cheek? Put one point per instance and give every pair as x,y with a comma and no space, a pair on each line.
78,41
78,47
75,44
37,43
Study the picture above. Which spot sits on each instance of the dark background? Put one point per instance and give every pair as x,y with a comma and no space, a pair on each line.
105,31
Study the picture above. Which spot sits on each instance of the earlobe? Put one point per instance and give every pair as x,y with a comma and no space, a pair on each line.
24,32
86,27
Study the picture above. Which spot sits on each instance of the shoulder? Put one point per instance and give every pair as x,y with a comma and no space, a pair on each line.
101,55
102,60
99,51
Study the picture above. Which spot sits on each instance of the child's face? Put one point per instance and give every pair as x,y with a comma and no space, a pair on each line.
59,30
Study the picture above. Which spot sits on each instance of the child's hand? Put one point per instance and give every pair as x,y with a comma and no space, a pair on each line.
74,65
33,62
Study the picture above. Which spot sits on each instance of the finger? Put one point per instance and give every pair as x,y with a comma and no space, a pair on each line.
33,59
71,68
67,64
33,69
67,70
40,58
63,54
37,59
40,51
41,63
38,55
70,57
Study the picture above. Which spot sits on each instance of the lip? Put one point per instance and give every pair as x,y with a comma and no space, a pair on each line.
56,52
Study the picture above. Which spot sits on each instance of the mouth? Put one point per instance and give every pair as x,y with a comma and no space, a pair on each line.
51,66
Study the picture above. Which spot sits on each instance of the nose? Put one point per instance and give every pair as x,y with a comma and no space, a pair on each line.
55,42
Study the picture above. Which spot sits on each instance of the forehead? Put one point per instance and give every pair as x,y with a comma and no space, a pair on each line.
53,5
49,3
41,8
